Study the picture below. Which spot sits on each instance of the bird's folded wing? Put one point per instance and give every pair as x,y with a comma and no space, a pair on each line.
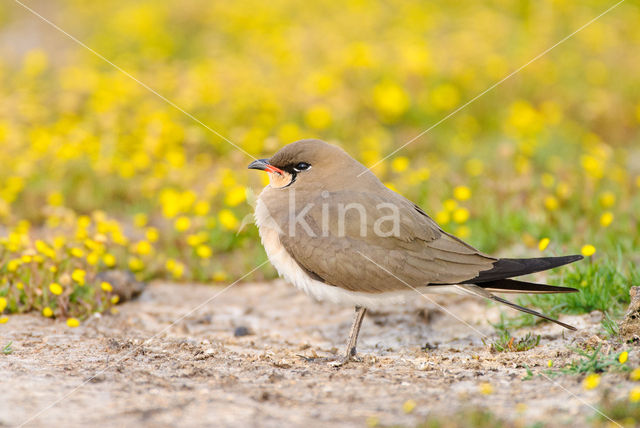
361,243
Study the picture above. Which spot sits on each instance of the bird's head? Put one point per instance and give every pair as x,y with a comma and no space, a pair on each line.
310,164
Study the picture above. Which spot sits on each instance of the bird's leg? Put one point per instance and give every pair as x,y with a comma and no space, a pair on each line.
350,351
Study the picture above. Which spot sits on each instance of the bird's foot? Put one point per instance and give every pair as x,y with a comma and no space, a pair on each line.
339,362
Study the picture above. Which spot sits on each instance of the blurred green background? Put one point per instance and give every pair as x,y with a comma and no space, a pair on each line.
99,173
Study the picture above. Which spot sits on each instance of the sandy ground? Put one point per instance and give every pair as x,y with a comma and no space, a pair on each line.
137,368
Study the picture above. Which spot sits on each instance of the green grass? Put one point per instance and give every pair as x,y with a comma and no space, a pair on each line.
507,343
6,350
591,362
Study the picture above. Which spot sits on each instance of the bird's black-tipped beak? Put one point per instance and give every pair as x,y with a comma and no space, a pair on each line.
263,165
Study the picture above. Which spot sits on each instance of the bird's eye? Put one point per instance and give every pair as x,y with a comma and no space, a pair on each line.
302,166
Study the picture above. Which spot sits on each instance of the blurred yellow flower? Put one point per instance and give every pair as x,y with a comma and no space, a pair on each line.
591,381
474,167
460,215
106,286
634,394
182,224
635,374
143,248
114,299
77,252
140,220
228,220
390,99
136,264
3,303
624,356
55,288
73,322
445,97
606,219
400,164
235,196
318,117
4,319
543,244
409,406
204,251
201,208
551,203
443,217
152,234
461,193
588,250
450,204
219,276
486,388
78,275
463,232
607,199
47,312
109,260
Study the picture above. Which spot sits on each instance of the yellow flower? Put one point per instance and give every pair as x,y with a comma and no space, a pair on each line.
203,251
109,260
461,193
443,217
607,199
463,232
3,303
543,244
486,388
588,250
135,264
140,220
13,265
474,167
201,208
73,322
635,374
143,248
634,394
591,381
551,203
152,234
228,220
318,117
550,363
606,219
450,204
400,164
219,276
182,224
460,215
4,319
373,421
624,356
115,299
47,312
106,286
77,252
93,258
55,288
78,275
409,406
235,196
20,286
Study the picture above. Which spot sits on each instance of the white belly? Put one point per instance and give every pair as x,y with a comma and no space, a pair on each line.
291,271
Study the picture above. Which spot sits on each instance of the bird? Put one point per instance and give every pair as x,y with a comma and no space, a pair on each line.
331,228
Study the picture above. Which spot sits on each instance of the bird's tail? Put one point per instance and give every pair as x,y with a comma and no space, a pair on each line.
511,286
509,268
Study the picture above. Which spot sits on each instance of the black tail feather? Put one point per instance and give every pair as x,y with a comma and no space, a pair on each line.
508,268
514,286
532,312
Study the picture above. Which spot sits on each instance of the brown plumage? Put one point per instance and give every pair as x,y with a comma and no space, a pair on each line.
323,218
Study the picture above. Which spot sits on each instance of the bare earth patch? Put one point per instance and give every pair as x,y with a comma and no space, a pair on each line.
140,371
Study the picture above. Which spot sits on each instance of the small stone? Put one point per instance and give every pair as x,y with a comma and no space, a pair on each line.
241,331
